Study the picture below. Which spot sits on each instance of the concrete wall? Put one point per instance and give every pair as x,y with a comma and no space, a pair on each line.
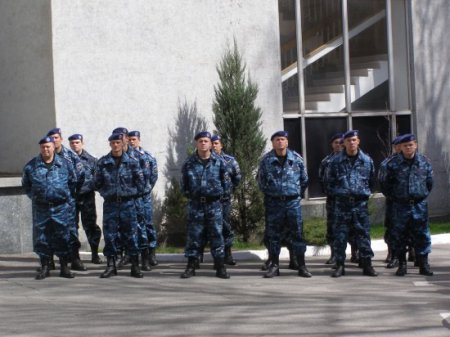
26,73
431,60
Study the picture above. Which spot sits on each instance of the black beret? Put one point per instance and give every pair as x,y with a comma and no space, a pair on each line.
76,136
280,133
54,132
351,133
134,134
46,139
202,134
115,136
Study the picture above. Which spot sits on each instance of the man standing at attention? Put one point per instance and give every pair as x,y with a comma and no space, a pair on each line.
350,179
283,179
204,182
85,201
49,181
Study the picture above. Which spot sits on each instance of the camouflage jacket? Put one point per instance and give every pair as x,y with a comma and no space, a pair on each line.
150,169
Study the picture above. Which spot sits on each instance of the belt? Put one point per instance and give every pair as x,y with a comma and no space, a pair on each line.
50,204
352,198
205,199
119,198
283,197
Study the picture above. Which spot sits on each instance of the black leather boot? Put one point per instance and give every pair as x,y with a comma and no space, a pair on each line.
265,265
124,259
332,259
221,271
424,267
65,271
274,267
95,258
367,267
394,262
302,270
354,258
411,254
51,263
229,260
152,256
135,270
339,271
110,268
44,271
402,266
190,268
145,265
76,261
293,263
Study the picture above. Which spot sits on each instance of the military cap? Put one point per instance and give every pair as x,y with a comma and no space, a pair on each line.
115,136
396,139
409,137
134,134
46,139
76,136
54,132
280,133
215,137
351,133
336,136
121,130
202,134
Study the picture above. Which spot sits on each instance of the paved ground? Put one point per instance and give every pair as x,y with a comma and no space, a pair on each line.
162,304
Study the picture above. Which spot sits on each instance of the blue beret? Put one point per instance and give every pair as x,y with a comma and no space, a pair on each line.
336,136
281,133
54,132
202,134
46,139
351,133
121,130
396,139
115,136
134,134
215,137
409,137
76,136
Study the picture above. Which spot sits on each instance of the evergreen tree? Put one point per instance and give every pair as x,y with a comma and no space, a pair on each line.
238,122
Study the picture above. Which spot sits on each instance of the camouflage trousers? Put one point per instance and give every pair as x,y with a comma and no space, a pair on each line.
410,223
283,221
152,235
87,212
228,233
120,227
351,216
141,228
204,217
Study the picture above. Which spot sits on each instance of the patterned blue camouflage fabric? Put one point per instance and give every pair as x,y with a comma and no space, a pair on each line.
408,184
119,184
204,183
72,157
283,187
85,205
50,189
350,185
151,176
329,202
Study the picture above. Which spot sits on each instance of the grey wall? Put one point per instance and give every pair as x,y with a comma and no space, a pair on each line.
26,80
431,57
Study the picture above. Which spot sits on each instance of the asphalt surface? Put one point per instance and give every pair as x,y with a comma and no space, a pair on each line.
162,304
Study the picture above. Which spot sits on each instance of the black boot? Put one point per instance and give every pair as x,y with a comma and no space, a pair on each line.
221,271
293,263
424,267
339,271
135,270
190,268
332,259
76,261
51,263
44,271
411,254
153,262
145,255
95,258
265,265
65,271
402,267
394,262
110,267
302,270
123,260
274,268
367,267
229,260
354,258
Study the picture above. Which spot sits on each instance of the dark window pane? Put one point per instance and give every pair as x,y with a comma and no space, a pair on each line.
403,124
293,127
318,133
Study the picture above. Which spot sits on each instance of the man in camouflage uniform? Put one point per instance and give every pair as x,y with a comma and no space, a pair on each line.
407,181
350,179
72,157
119,180
234,173
336,147
204,182
283,179
151,176
50,182
85,201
